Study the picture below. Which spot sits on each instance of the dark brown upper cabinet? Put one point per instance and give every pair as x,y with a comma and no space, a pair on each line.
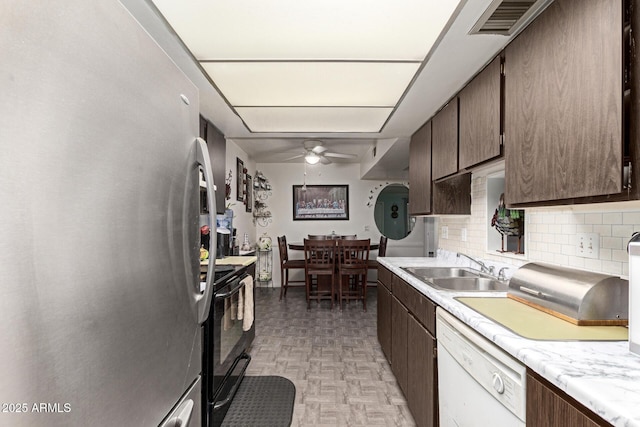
480,117
217,146
444,140
420,171
563,116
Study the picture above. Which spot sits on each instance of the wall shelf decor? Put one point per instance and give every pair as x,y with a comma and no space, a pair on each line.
261,192
264,264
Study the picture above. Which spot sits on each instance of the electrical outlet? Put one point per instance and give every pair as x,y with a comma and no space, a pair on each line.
444,233
588,245
366,228
464,235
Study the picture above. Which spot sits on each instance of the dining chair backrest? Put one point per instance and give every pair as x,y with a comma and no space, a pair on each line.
319,254
282,247
318,237
353,253
349,237
382,248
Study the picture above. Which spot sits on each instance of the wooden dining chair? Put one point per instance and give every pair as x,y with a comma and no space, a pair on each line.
353,258
372,264
349,236
287,264
318,237
319,269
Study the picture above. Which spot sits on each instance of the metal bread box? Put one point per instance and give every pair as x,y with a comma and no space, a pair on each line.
580,297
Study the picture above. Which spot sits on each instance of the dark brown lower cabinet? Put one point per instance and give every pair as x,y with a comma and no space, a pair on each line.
548,406
422,374
384,319
399,343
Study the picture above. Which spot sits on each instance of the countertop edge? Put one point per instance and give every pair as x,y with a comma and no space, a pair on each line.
603,376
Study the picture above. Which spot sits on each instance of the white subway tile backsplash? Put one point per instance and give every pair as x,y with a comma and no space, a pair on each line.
611,267
593,218
622,231
612,243
577,218
602,230
605,254
619,255
583,228
631,218
551,233
612,218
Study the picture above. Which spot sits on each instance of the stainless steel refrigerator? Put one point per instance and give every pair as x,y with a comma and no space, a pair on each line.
100,302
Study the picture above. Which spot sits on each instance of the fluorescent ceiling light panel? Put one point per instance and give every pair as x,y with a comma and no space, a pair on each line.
294,29
314,119
345,54
379,84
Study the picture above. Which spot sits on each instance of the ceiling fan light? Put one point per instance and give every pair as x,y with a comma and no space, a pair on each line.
311,158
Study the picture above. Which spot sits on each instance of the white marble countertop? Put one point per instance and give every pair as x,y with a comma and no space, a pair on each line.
603,376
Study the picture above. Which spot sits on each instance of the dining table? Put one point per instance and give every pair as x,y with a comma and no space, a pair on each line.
299,246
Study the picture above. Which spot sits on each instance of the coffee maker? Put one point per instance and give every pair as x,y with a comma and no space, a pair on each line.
224,242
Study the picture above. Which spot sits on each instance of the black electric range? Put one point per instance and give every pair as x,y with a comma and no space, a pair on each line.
225,344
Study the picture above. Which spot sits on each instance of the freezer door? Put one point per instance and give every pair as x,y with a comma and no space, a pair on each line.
98,221
188,411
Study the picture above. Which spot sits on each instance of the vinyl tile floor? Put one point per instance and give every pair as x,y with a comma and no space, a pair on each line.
333,357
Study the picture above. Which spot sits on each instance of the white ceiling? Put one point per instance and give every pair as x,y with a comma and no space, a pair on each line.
456,57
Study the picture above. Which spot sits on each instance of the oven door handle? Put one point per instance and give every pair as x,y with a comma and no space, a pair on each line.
235,290
233,391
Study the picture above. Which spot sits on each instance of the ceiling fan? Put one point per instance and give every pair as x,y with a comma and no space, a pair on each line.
315,151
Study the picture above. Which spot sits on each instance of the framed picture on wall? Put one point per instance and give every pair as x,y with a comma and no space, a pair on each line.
249,189
239,180
320,202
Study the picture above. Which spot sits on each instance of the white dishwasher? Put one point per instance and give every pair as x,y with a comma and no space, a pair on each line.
478,383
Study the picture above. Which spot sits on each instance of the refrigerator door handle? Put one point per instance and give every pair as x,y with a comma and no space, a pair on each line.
182,417
203,301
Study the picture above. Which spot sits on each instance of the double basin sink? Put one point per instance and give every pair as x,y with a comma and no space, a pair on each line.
457,279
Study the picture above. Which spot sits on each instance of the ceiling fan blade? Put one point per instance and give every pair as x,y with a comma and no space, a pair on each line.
319,149
341,155
324,160
297,156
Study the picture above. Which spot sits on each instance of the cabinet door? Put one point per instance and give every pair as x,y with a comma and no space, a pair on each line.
217,146
548,407
563,104
422,386
480,117
452,196
384,320
444,140
420,171
399,343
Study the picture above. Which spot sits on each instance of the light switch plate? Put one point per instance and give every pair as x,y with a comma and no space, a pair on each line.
464,235
588,245
444,233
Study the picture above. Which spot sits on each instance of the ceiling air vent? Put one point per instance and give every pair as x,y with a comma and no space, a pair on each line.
506,17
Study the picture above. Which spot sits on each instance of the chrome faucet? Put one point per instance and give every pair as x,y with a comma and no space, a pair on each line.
501,275
483,267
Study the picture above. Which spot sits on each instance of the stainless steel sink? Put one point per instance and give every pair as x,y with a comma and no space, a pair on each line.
474,284
457,279
434,272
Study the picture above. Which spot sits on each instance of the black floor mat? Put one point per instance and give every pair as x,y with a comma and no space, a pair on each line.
264,401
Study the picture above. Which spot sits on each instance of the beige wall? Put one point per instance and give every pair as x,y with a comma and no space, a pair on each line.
550,233
282,176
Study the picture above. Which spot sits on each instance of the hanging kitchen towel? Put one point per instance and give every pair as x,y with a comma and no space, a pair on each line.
241,301
248,303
